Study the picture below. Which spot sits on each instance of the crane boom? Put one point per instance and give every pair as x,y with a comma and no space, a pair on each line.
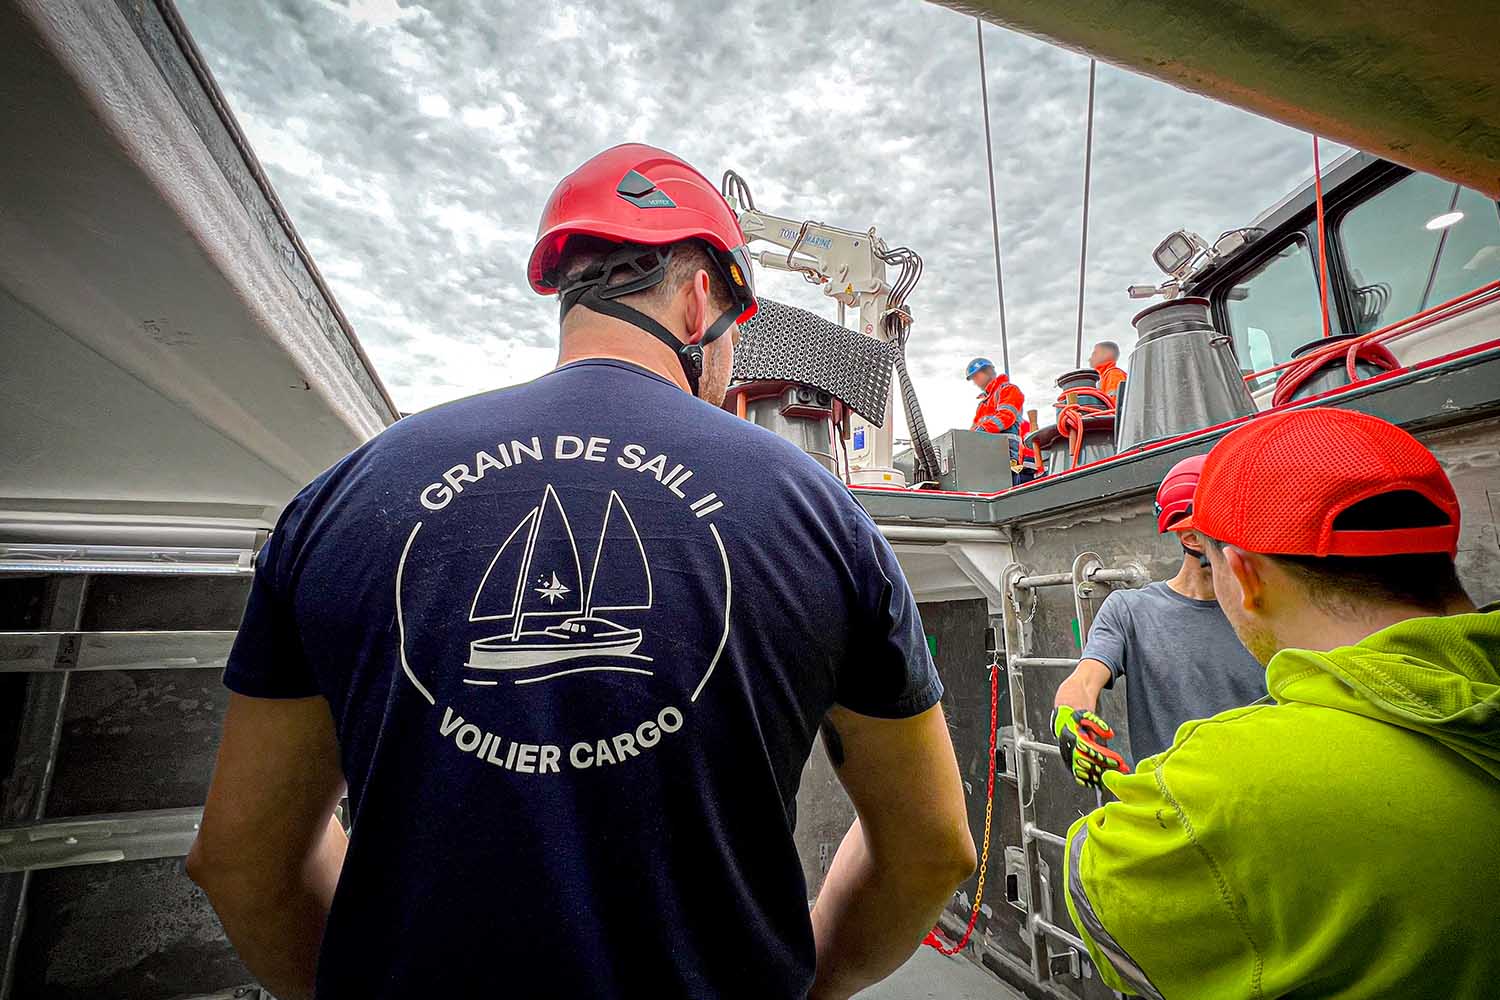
851,269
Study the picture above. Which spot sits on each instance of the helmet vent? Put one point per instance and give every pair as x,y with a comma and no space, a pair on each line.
637,189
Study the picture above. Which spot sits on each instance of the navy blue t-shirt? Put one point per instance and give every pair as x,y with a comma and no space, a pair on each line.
577,636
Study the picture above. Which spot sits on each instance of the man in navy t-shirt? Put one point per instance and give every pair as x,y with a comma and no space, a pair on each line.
567,646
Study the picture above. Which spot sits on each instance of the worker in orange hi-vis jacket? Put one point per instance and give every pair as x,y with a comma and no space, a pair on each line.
1000,401
999,410
1104,359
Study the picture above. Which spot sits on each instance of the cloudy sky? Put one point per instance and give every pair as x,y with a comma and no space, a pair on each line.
415,144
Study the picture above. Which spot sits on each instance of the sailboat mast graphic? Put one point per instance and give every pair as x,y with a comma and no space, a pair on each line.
515,606
620,580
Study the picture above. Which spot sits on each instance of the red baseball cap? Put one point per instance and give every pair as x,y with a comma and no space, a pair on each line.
1278,484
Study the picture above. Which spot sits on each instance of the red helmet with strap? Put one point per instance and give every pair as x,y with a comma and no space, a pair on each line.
641,197
1174,498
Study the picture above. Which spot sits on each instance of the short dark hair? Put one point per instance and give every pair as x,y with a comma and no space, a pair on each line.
1110,346
688,257
1427,580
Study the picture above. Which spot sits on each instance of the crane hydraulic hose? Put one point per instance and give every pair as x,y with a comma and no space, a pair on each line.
897,322
926,465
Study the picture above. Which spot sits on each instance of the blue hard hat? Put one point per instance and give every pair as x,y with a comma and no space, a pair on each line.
978,365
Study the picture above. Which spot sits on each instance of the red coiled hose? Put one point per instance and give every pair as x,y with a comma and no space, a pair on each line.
1071,414
1295,376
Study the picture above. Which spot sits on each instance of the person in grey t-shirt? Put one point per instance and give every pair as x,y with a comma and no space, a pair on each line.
1173,642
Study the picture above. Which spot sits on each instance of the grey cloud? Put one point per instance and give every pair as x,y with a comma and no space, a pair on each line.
414,152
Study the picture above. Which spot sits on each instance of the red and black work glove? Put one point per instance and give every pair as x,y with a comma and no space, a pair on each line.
1084,739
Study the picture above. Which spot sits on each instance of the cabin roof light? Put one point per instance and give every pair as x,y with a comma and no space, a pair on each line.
1175,254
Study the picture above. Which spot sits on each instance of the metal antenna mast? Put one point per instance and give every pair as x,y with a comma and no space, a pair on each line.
1083,249
989,158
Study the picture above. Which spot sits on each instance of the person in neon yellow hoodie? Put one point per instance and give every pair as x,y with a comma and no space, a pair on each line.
1339,838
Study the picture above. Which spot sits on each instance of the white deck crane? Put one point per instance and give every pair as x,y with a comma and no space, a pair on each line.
850,267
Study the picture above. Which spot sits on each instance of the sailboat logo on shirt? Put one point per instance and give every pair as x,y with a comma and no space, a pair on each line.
536,586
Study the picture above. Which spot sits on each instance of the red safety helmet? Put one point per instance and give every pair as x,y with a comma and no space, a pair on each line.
1278,484
1174,498
642,195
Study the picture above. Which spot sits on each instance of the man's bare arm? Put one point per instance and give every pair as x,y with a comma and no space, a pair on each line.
905,854
269,850
1081,689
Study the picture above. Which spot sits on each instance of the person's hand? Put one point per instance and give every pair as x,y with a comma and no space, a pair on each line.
1084,739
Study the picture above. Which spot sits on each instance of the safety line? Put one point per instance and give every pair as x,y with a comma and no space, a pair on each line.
1322,240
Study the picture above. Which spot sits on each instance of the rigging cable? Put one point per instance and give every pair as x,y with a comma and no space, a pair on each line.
989,159
1437,258
1083,248
1322,241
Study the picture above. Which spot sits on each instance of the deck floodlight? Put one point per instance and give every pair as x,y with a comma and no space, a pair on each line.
1176,253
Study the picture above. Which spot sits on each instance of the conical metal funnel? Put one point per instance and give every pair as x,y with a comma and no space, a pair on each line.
1183,376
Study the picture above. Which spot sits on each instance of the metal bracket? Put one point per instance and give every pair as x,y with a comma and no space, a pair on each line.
1008,752
1089,574
1084,567
1044,882
1017,885
1084,589
1067,962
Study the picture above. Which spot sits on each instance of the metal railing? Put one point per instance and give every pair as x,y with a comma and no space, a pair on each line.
92,840
40,652
1019,605
30,840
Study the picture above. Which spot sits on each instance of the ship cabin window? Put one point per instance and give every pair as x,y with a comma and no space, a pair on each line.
1274,309
1417,244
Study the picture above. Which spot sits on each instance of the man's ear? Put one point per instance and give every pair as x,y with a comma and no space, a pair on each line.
1191,539
699,307
1246,568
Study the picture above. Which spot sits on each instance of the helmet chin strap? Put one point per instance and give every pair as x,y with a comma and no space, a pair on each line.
690,356
594,292
1202,557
